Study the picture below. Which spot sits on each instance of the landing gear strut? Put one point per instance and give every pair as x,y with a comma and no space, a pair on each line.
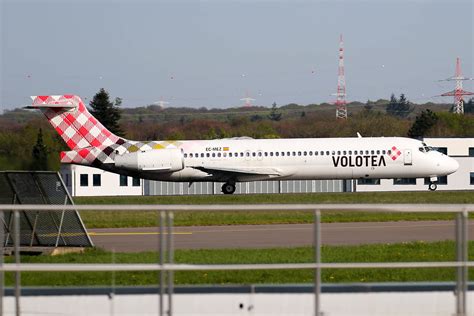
432,186
228,188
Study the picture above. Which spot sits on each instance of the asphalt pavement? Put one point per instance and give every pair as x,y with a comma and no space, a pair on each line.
268,236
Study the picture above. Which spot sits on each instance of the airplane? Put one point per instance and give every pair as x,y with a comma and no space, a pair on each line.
240,159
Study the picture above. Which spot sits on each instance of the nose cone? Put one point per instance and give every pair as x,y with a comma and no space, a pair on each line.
450,165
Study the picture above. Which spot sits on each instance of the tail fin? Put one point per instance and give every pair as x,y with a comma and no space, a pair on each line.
73,122
90,142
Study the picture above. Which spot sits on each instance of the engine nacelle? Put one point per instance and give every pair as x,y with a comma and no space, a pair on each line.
157,160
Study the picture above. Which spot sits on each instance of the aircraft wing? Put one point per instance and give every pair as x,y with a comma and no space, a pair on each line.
240,170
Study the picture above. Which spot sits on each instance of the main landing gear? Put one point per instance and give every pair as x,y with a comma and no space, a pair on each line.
432,186
228,188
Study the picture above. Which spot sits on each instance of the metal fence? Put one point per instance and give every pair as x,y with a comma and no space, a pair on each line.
47,229
166,265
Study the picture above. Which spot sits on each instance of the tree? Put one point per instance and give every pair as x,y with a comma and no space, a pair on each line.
369,105
423,123
106,112
400,108
39,154
469,106
274,114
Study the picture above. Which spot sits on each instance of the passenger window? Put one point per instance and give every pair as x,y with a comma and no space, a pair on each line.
202,155
344,152
213,154
350,152
378,152
185,155
372,152
271,154
305,153
254,154
288,153
191,155
260,154
338,152
315,153
294,153
366,152
265,154
333,152
230,154
310,153
299,153
241,154
247,154
383,152
218,154
389,151
277,154
207,155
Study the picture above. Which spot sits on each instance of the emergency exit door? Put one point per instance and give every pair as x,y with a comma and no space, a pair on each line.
407,159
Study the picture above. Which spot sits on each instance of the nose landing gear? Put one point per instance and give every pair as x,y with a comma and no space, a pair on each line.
228,188
432,186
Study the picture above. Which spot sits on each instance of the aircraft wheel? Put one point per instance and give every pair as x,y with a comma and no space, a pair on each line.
228,188
433,186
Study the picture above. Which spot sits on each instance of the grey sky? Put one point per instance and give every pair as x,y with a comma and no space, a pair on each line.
210,53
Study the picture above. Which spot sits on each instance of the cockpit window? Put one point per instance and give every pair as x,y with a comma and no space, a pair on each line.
426,148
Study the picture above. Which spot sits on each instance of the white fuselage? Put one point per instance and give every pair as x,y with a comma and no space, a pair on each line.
300,159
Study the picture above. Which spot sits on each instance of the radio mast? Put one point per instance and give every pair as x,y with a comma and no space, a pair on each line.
458,93
341,108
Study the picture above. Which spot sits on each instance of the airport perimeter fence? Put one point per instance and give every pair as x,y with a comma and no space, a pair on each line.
166,266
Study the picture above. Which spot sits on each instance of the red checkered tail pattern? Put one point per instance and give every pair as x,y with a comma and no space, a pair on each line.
85,135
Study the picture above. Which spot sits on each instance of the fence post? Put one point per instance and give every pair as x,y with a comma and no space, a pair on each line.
2,254
317,255
162,261
465,270
170,261
461,257
16,224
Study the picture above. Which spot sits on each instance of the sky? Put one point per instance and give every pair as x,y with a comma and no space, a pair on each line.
213,53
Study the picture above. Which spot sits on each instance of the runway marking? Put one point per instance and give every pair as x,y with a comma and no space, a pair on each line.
323,227
135,233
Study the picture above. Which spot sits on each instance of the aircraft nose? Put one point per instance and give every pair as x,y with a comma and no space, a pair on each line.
451,165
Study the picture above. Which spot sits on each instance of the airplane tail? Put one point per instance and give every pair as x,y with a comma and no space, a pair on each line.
90,142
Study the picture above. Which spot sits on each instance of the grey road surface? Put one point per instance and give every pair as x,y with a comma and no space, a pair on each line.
267,236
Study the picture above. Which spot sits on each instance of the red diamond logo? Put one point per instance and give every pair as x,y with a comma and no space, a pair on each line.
395,153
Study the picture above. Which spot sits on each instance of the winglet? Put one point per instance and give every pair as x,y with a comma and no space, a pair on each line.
359,135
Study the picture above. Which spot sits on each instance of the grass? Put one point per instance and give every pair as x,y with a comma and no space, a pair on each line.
402,252
100,219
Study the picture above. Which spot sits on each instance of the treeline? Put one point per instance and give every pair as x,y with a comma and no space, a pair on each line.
27,141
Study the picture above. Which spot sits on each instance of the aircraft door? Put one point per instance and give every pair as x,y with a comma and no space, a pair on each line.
407,157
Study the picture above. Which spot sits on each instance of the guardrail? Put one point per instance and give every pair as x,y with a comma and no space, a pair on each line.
166,267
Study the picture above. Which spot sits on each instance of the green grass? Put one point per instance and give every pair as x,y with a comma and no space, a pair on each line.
99,219
402,252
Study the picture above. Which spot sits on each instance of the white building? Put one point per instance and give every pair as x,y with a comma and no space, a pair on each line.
88,181
461,149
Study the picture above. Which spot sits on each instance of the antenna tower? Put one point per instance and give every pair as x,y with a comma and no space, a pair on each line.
248,100
458,93
162,103
341,108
